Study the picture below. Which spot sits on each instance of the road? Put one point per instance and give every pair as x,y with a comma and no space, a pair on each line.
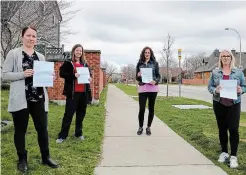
194,92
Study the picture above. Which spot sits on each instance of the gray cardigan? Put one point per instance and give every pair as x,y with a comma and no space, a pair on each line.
13,72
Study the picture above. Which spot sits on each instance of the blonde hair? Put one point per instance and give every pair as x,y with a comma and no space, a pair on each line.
232,63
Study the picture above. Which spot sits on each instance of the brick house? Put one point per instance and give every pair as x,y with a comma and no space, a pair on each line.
202,74
173,74
211,63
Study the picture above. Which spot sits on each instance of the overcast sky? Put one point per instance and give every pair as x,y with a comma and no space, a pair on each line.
121,29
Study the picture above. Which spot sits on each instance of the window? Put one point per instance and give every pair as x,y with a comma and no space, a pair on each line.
54,19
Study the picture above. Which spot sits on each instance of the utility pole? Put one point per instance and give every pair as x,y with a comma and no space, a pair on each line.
179,56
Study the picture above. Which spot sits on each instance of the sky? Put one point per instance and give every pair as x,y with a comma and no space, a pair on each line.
121,29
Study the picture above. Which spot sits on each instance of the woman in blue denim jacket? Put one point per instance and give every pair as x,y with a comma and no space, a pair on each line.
227,111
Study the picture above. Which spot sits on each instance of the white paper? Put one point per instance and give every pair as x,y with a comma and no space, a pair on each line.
147,75
84,75
43,74
228,89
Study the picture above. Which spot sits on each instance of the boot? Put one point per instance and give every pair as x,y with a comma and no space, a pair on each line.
46,160
22,163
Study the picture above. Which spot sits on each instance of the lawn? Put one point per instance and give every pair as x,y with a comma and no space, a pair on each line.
198,127
74,156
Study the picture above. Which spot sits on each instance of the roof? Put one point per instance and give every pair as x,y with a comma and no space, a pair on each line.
213,60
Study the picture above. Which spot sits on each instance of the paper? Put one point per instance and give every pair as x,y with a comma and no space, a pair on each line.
147,75
43,74
228,89
84,75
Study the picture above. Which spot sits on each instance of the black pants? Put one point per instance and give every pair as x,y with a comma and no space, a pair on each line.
21,118
78,104
151,96
228,119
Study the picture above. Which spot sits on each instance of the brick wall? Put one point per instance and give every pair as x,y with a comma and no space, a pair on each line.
195,81
101,84
97,84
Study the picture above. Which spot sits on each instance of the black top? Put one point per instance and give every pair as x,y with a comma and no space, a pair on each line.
67,72
33,94
150,64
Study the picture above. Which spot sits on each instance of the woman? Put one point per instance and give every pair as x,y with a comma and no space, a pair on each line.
76,94
24,99
227,111
147,90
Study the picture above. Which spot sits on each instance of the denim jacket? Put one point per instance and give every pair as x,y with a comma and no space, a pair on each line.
217,75
155,68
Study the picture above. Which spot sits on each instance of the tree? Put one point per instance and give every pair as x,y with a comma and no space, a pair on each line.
110,69
193,62
36,13
129,73
167,59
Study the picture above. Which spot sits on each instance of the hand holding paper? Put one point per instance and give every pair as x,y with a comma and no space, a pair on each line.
147,75
43,74
228,89
84,75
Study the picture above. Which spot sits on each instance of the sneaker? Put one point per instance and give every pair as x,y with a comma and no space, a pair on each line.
233,162
60,140
148,131
81,138
140,131
223,157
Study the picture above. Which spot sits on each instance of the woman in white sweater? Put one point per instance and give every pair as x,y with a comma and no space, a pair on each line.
24,99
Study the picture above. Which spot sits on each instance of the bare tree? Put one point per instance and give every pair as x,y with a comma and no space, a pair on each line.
110,69
167,59
129,72
40,14
193,62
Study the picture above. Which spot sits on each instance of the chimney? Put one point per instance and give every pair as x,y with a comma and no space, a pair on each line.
216,53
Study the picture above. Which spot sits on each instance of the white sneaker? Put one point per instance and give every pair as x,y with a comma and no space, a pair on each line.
81,138
223,157
233,162
60,140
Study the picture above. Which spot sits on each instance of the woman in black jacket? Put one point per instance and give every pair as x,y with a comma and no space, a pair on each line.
76,94
147,90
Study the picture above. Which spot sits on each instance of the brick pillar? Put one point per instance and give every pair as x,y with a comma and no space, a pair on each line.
93,58
104,77
55,92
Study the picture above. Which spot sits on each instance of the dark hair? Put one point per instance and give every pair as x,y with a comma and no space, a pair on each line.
82,58
142,57
25,29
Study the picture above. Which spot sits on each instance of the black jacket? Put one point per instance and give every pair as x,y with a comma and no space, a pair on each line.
67,72
155,68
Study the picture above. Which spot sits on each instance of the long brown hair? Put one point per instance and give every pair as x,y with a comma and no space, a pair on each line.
82,59
142,57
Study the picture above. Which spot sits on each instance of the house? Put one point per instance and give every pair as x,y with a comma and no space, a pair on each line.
211,62
173,74
44,15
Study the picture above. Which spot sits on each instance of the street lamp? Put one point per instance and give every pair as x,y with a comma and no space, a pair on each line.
240,64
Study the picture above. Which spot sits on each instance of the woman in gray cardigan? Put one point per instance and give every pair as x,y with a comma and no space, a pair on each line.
24,99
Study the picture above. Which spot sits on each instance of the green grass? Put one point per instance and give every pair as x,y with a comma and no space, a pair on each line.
198,127
74,156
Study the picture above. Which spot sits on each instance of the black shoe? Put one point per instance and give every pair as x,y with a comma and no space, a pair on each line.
22,163
140,131
51,163
148,131
22,166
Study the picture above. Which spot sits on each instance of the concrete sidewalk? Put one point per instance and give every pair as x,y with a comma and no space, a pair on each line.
162,153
